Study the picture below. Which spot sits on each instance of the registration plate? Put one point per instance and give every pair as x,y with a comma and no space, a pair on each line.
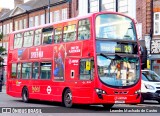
119,102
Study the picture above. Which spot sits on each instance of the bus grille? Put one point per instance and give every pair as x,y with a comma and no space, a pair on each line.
120,92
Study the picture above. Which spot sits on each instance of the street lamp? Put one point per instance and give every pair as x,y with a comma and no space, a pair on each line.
49,10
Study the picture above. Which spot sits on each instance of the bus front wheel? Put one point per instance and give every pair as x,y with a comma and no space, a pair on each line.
25,95
67,98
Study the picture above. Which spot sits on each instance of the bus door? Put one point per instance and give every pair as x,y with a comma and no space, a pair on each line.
78,76
86,70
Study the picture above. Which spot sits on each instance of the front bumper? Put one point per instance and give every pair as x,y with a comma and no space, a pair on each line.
151,96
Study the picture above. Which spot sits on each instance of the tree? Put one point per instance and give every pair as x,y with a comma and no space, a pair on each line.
1,50
1,36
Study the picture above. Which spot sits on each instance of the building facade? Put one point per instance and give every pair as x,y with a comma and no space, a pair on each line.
155,40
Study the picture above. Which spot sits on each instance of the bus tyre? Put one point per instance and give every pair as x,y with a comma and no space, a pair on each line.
108,106
25,95
67,98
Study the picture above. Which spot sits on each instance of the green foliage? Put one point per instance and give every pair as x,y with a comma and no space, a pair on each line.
1,36
1,50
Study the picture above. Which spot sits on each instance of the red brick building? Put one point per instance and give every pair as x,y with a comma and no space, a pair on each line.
34,13
155,40
144,16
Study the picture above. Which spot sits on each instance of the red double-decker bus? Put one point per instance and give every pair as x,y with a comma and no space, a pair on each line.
93,59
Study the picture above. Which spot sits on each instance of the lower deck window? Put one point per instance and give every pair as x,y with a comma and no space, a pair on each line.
13,72
45,70
26,70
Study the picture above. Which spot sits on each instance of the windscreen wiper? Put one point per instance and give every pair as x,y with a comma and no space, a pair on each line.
117,57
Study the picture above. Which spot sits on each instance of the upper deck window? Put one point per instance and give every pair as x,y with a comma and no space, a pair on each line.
58,35
112,26
83,29
18,40
69,33
37,37
28,39
47,34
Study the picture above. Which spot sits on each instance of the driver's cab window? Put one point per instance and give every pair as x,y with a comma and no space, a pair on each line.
86,69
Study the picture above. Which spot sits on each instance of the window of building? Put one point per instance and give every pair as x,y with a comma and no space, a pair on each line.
11,28
36,20
56,16
4,29
20,24
24,23
18,40
64,13
26,70
47,35
35,70
37,37
51,17
69,33
45,70
42,19
28,39
108,5
19,71
157,23
31,22
123,6
58,35
93,5
16,25
7,29
47,17
13,72
83,29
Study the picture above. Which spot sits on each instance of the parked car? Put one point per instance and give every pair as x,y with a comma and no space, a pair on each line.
150,87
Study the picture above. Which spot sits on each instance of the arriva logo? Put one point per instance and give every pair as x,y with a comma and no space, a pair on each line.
37,54
120,98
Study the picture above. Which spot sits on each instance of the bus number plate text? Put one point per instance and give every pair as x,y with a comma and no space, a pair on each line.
119,102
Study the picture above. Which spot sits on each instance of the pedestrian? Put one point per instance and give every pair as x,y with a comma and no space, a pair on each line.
1,81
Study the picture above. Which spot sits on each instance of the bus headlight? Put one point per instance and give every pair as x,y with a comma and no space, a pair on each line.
149,87
100,91
138,91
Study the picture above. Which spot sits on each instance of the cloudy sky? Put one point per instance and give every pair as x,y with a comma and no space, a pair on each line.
8,3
